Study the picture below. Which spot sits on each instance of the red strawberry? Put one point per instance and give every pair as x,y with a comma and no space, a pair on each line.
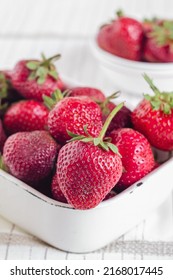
25,115
159,42
2,137
33,78
123,37
30,156
137,156
93,93
56,191
104,37
73,114
153,117
88,168
121,119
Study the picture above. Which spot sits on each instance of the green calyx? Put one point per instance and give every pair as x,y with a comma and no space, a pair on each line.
4,87
119,13
100,141
163,33
104,104
56,96
39,70
2,164
161,100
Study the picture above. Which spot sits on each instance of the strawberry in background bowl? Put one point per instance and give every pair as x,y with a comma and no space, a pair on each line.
126,48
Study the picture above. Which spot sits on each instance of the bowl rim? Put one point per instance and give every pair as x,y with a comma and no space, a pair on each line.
55,203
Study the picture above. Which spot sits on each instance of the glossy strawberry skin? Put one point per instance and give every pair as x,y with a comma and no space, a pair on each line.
104,38
73,113
2,137
92,93
154,124
121,119
137,156
25,115
124,38
157,53
56,191
30,89
30,156
86,173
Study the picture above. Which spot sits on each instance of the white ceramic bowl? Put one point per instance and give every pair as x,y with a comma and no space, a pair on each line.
127,74
83,230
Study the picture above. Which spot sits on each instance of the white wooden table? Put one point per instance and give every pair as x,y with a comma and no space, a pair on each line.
29,27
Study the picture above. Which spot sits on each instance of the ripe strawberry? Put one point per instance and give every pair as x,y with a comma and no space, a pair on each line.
153,117
88,168
159,42
122,37
2,137
93,93
121,119
25,115
104,37
34,78
137,156
30,156
56,191
74,114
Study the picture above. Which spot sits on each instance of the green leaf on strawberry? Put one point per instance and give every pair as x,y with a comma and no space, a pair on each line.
161,100
101,141
40,70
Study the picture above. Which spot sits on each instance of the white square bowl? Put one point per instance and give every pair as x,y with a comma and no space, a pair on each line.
83,231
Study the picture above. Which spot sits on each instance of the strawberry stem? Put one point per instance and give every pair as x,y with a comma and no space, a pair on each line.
151,84
161,100
104,104
119,13
109,119
56,96
100,141
47,61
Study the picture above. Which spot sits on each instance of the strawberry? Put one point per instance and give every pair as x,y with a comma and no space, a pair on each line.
93,93
34,78
2,137
137,156
104,37
122,37
153,117
56,191
30,156
73,114
25,115
88,168
159,42
121,119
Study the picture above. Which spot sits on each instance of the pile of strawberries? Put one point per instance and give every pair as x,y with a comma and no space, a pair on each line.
74,144
148,40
